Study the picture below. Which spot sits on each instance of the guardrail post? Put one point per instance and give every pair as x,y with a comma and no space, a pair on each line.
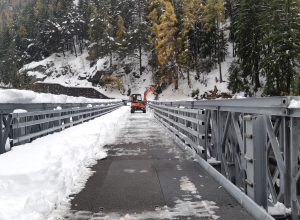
287,160
206,125
256,159
249,156
5,132
260,164
2,146
294,149
219,136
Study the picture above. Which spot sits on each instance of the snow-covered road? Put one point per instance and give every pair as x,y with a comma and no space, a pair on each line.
38,177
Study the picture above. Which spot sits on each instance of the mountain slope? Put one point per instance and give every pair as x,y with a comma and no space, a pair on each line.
78,71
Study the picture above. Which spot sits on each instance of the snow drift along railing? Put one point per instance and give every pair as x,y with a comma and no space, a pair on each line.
254,143
37,120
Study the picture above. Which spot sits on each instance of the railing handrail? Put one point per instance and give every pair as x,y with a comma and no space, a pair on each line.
254,142
23,127
265,105
7,108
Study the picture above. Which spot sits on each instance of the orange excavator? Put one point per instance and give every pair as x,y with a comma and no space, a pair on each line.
137,103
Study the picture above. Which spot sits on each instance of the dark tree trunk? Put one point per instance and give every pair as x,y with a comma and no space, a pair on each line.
233,49
75,51
140,40
140,58
176,77
220,71
219,51
189,78
111,60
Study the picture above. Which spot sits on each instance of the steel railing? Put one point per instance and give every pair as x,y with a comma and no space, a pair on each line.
43,119
254,143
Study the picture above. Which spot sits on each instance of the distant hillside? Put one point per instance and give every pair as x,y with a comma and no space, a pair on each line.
9,9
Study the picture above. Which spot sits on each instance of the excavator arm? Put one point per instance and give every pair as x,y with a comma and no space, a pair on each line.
150,89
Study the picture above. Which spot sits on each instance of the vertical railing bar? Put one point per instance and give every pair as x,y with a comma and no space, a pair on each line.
207,120
294,152
287,159
2,127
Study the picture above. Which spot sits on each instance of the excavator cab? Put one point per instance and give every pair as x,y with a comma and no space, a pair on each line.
137,103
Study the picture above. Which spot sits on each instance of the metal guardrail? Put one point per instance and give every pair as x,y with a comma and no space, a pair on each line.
254,143
43,119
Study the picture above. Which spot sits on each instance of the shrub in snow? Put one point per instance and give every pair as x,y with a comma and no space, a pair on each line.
195,94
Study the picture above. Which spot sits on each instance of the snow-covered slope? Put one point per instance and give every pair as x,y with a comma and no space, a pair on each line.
209,82
78,71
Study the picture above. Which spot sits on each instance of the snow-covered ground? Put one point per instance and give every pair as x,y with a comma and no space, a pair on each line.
70,70
211,81
37,178
24,96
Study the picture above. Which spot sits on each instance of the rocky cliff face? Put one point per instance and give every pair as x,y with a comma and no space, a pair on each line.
10,8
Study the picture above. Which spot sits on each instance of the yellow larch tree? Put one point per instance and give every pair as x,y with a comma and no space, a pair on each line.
163,27
121,30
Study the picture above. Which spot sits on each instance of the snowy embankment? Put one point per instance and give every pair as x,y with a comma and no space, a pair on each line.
36,179
24,96
78,71
71,70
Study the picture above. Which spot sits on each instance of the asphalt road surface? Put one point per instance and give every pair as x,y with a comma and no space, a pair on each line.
148,176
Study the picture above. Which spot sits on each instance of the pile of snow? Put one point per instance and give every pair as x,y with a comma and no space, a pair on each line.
279,209
294,104
187,185
24,96
37,178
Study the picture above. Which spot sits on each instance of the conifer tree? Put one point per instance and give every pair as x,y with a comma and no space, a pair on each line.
248,40
280,45
214,16
191,15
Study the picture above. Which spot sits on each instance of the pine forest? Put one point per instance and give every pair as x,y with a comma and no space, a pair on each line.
182,39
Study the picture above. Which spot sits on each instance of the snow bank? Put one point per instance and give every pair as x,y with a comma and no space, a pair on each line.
24,96
38,177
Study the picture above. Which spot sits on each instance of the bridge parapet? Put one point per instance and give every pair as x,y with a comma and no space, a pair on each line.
37,120
254,143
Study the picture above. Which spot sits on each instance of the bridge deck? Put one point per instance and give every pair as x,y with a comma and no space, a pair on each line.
147,176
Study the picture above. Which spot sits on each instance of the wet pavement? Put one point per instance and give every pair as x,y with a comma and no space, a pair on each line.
147,176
